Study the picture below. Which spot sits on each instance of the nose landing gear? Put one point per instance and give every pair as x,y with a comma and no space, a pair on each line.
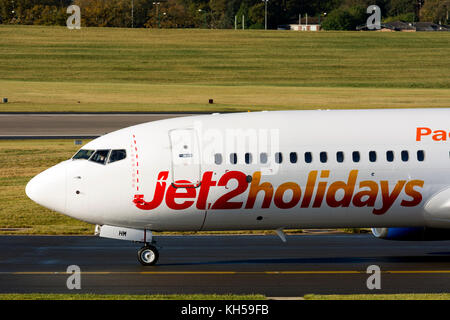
148,255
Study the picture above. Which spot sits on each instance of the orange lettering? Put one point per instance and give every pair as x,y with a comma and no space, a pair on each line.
348,188
440,135
371,194
389,198
296,194
420,133
309,190
255,188
321,189
415,195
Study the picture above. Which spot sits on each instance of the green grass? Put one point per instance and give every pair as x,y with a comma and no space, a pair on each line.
43,296
19,162
111,69
406,296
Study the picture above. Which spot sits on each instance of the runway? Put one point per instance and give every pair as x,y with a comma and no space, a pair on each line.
321,264
49,125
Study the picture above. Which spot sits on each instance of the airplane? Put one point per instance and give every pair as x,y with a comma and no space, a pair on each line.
385,169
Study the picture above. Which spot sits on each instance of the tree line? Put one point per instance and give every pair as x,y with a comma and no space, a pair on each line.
219,14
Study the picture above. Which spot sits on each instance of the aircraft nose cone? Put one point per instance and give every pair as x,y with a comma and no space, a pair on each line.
48,188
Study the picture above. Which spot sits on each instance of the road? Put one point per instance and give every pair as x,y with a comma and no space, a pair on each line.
321,264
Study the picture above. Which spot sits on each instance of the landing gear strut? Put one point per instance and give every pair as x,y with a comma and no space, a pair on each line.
148,255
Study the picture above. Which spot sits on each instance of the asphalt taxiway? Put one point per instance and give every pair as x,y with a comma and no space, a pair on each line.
64,125
321,264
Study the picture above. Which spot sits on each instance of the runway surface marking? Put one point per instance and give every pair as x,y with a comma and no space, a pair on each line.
321,264
226,272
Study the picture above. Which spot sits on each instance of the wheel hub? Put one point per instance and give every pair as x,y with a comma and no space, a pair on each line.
148,256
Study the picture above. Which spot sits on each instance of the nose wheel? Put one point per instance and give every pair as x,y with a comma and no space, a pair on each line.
148,255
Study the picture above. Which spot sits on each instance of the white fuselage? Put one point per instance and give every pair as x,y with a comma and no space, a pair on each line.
324,169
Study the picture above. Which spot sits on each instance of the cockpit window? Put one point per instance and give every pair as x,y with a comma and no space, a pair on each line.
100,156
117,155
83,154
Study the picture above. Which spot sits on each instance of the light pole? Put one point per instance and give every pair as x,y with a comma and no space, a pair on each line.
204,16
446,17
132,13
157,12
265,14
324,15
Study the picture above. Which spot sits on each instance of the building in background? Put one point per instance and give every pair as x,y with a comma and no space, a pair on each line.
305,27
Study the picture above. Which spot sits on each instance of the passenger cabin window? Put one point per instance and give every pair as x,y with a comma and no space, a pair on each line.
372,156
248,158
420,155
390,156
308,157
278,157
356,157
323,157
339,156
83,154
100,156
263,157
405,155
293,157
218,158
117,155
233,158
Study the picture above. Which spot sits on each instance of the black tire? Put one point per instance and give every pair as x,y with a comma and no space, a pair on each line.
148,255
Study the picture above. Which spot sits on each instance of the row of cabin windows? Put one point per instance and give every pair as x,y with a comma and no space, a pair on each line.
323,157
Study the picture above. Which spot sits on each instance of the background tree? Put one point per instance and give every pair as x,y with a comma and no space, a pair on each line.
256,15
435,11
170,14
217,14
343,14
243,12
48,12
398,7
339,19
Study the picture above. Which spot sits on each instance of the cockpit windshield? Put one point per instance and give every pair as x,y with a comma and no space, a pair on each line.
83,154
117,155
100,156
